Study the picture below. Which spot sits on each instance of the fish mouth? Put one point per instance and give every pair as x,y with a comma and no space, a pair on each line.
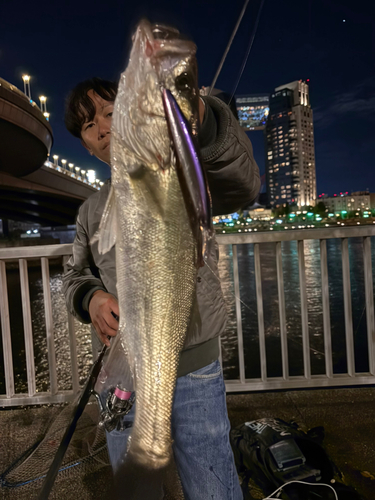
162,39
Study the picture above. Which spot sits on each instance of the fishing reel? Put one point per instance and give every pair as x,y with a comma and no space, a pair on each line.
118,403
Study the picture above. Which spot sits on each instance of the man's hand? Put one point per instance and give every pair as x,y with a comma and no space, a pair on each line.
101,307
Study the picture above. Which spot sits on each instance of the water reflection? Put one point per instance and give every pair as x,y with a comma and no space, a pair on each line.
293,308
61,336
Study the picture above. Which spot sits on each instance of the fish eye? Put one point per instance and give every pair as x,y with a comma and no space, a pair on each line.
183,82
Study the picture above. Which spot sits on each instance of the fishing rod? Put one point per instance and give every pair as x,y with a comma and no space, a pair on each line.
229,45
247,52
78,410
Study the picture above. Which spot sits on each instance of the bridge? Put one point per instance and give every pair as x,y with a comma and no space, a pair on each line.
32,188
49,196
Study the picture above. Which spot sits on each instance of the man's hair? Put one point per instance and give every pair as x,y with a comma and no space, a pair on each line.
79,108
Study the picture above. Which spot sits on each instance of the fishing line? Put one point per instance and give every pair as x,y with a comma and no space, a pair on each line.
247,52
360,319
228,47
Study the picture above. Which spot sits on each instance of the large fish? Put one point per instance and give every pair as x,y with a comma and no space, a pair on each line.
158,216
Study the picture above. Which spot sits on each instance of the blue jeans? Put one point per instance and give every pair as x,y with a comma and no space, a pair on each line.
200,432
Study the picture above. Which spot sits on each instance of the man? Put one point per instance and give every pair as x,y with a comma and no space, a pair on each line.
200,426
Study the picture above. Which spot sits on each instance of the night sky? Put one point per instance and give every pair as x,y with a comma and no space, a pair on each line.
330,42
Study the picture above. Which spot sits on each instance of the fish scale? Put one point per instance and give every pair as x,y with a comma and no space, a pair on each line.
156,285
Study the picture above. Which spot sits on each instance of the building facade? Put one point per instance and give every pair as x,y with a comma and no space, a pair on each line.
289,140
253,110
359,200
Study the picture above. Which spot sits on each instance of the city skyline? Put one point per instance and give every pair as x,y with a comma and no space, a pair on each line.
60,46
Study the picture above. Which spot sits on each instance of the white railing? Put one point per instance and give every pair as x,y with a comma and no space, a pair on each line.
23,255
307,380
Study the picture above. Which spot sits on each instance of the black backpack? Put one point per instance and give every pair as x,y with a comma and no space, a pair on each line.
271,452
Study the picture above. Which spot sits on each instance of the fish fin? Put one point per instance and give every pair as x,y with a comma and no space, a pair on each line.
107,232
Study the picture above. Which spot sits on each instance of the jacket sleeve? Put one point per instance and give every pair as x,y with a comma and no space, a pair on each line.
81,278
227,153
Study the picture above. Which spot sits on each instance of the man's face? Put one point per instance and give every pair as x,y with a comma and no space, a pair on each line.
96,134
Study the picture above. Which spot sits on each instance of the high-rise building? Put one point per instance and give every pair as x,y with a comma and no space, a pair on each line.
252,110
289,139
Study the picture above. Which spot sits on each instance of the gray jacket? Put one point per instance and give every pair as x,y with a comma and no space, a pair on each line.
233,178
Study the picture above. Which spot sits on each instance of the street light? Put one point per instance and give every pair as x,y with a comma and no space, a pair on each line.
46,116
63,164
56,158
77,169
83,174
43,103
91,175
26,85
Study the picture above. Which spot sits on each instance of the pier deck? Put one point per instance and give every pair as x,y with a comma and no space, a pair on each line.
347,415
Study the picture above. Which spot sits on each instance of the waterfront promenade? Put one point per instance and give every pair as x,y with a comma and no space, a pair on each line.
287,354
347,415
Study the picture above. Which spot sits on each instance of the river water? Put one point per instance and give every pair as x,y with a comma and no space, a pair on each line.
229,340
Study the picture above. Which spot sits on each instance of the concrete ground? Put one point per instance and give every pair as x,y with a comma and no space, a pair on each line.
347,414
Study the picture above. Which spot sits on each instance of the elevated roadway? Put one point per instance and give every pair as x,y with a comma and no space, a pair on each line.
32,189
46,196
26,135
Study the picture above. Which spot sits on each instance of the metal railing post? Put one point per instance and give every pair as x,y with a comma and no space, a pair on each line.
259,295
347,306
5,328
27,326
369,291
236,279
304,312
72,344
326,310
283,332
49,325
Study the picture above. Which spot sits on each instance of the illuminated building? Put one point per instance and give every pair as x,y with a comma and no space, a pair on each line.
252,111
358,200
289,139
